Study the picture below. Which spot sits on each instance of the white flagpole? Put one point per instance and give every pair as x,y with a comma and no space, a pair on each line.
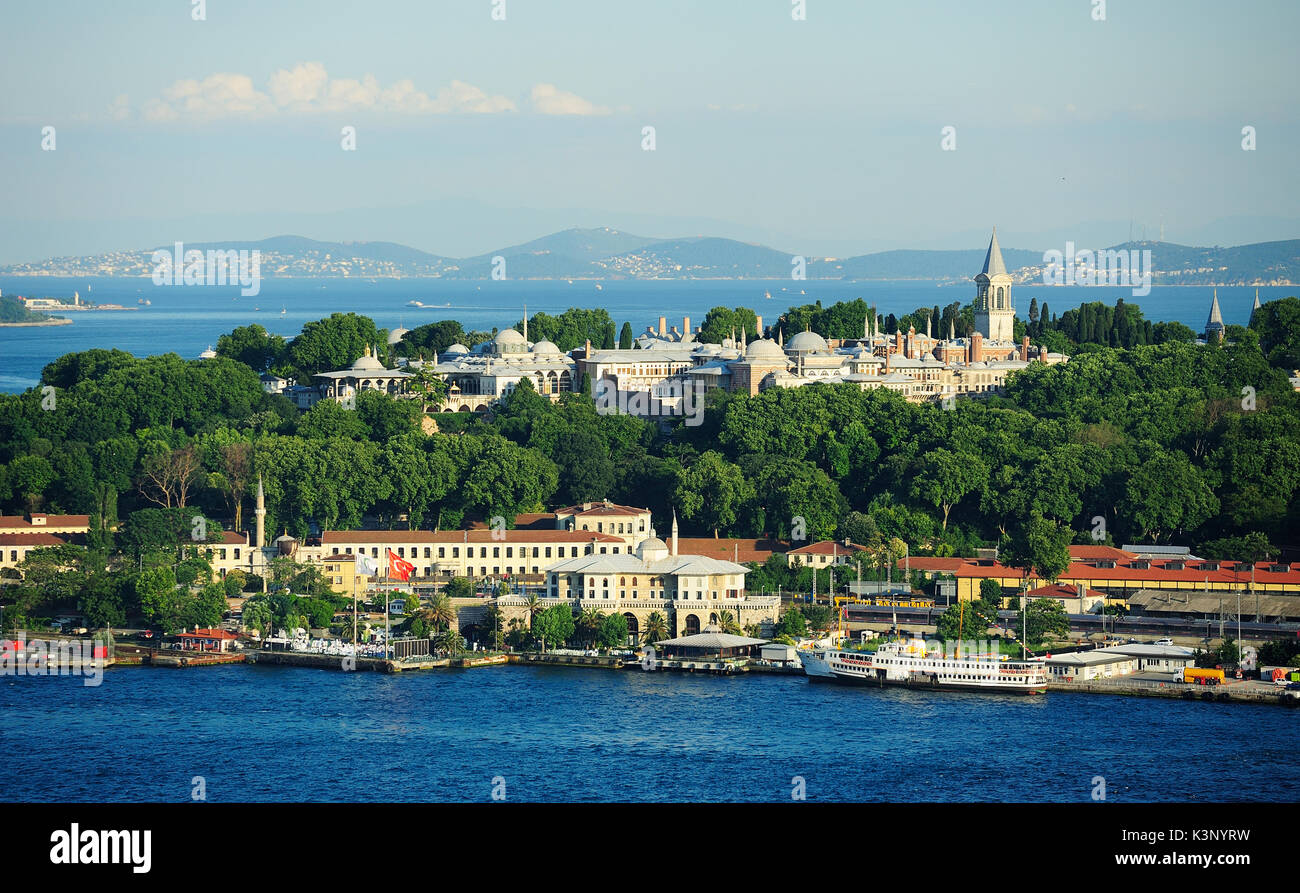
388,631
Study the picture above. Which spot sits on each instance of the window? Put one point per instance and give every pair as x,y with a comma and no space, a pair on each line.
442,551
510,551
496,551
548,551
455,552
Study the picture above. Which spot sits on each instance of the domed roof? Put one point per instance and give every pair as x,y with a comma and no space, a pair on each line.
508,336
397,335
545,346
653,544
367,363
764,349
456,348
807,342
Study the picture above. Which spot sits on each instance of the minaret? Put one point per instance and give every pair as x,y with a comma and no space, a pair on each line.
261,515
994,313
674,532
1254,309
1214,325
525,322
927,326
952,331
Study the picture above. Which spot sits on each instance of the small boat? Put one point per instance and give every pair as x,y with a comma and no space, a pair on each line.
414,303
283,311
599,287
767,295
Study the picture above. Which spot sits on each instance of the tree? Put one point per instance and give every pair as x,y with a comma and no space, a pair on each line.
333,343
727,623
1166,495
168,475
656,628
1038,546
155,588
460,587
252,346
554,625
966,620
944,477
1043,618
625,337
1278,325
991,592
712,492
613,631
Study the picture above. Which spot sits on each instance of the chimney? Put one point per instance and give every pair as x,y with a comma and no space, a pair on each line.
663,326
898,340
686,326
977,348
759,321
1024,349
587,355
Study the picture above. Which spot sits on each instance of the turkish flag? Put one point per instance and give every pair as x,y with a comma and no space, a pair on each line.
399,567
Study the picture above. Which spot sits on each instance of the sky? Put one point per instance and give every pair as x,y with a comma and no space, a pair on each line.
821,136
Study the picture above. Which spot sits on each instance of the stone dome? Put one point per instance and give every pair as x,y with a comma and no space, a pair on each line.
652,549
456,348
807,342
547,347
764,349
509,341
367,363
397,335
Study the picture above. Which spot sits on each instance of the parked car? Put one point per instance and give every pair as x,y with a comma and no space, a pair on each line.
1163,642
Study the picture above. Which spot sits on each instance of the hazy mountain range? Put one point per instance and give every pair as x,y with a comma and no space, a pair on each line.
605,253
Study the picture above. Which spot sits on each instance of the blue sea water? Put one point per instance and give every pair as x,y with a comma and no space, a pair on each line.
559,735
188,319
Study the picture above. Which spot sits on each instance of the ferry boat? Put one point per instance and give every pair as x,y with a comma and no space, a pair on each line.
910,663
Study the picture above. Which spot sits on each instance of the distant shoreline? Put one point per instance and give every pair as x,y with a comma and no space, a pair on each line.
940,281
56,321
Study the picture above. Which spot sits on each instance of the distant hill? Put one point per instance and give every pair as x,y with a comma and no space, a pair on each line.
605,253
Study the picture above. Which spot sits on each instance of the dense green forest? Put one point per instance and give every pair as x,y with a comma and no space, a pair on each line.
1166,442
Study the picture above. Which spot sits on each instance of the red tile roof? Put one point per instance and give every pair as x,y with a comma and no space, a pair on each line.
758,550
207,634
827,547
524,520
1061,590
930,563
19,522
33,539
600,508
1087,552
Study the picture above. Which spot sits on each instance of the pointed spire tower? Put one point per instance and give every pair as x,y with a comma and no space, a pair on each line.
260,514
1254,309
674,544
1214,325
995,314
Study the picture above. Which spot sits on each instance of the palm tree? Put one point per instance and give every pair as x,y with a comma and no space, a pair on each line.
656,628
440,612
494,620
727,623
449,642
588,624
533,606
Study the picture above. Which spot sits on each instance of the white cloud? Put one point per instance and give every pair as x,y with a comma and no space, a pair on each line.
307,88
550,100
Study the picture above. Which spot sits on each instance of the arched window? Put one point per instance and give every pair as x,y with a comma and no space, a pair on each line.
1000,304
